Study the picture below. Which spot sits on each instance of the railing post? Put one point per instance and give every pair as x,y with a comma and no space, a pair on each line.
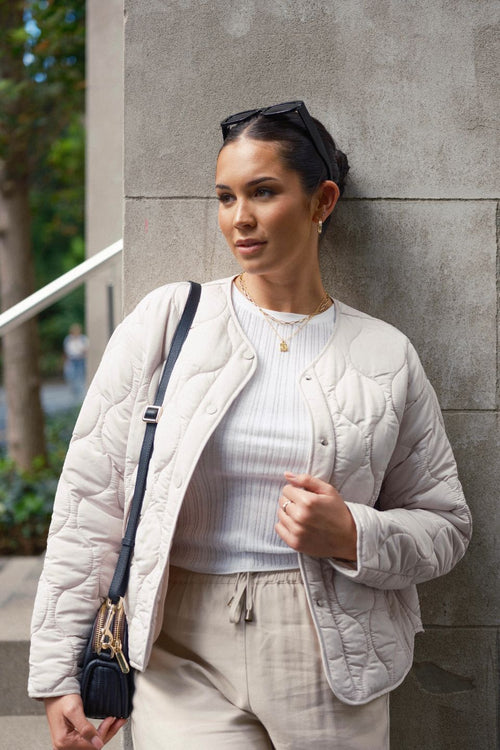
111,309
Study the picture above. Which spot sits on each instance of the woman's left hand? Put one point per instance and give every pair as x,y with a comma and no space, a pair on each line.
316,520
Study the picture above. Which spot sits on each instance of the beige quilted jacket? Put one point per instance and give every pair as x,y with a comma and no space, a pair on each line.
377,435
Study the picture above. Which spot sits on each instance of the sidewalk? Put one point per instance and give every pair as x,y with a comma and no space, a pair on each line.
22,720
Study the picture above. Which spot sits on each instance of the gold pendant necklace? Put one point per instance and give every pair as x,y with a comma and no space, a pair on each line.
284,343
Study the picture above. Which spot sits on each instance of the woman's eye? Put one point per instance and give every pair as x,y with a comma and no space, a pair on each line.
224,197
263,192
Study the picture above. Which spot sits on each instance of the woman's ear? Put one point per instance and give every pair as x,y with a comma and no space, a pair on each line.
327,196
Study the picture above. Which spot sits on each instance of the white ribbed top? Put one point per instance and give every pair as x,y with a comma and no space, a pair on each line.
226,524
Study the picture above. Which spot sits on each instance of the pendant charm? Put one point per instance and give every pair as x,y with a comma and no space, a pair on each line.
283,346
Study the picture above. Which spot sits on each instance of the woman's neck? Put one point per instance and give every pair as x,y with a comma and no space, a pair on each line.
297,295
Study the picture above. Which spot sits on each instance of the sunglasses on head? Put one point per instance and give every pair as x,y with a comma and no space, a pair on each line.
283,109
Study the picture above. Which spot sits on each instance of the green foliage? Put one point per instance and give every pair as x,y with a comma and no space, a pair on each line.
42,138
42,77
57,207
57,200
26,497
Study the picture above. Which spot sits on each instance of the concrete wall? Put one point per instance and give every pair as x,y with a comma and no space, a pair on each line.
410,90
104,166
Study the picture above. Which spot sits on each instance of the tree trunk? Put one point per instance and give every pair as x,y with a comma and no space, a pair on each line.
25,420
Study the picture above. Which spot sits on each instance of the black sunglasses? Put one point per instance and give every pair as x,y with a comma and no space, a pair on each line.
283,109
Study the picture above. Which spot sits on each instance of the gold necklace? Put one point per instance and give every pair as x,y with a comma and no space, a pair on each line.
324,304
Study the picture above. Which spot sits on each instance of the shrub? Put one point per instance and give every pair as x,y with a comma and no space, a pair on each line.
26,497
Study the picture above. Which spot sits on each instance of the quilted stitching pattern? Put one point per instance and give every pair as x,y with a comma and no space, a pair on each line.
378,433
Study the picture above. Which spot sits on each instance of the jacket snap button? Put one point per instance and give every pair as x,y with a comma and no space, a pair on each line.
211,409
319,602
308,377
323,441
248,355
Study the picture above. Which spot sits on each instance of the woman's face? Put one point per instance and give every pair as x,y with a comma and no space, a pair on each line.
264,213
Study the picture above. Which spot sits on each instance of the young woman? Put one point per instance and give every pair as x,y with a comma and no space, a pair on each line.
301,485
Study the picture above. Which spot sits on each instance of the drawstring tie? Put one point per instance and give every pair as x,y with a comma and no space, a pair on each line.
242,596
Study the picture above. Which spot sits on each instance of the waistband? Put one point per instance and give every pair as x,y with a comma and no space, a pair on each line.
261,576
243,585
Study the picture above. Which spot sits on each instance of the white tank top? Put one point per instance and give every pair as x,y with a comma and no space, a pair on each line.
226,523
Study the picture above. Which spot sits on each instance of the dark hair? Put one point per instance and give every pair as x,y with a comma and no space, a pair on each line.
296,147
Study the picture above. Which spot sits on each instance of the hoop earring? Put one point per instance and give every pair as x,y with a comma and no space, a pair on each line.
320,226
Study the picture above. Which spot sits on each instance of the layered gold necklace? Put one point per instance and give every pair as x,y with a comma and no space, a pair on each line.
270,320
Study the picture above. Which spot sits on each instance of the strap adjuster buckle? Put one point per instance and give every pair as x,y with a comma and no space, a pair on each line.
152,413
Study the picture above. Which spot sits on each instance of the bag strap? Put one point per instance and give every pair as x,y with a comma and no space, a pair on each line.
151,415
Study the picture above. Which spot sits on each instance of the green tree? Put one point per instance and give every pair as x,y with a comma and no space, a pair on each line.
42,54
57,229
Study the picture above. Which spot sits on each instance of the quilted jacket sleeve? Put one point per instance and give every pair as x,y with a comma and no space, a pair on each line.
87,522
423,526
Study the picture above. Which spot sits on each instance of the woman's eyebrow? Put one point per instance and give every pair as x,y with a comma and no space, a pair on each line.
249,184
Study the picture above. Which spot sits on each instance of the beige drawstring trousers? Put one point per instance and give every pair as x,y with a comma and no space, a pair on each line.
237,667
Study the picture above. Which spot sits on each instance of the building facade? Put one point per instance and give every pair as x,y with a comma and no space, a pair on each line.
410,91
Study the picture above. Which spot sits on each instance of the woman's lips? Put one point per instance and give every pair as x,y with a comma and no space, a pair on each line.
247,247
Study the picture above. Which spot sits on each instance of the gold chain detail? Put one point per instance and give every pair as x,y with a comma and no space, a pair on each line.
324,304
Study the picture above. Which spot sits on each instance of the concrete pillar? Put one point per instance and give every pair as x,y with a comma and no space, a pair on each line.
410,91
104,173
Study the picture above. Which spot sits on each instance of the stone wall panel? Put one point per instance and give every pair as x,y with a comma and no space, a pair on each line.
172,240
409,89
449,700
429,268
469,596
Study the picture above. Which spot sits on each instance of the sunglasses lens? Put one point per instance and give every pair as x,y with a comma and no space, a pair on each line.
282,109
239,117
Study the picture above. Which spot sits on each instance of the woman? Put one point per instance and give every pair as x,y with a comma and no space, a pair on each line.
75,347
301,485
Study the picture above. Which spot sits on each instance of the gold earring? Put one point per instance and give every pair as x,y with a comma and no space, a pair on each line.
320,226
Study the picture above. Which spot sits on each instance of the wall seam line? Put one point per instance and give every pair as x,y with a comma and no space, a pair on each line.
428,626
345,199
469,411
497,232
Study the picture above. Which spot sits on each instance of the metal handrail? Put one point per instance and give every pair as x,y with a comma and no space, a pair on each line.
58,288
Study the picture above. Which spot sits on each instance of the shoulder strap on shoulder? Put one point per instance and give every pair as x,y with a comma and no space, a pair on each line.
151,416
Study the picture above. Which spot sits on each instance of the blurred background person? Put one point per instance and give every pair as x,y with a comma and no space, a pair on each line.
75,346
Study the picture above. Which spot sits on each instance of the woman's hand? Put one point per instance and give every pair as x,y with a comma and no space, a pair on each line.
316,521
71,730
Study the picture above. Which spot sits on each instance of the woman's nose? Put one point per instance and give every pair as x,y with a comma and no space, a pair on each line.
243,216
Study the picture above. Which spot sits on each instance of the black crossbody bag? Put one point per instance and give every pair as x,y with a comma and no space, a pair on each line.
107,680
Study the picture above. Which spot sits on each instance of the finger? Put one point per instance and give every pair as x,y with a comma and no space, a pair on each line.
288,522
296,494
109,727
308,482
299,499
64,713
287,536
105,726
83,726
70,738
295,515
286,505
89,733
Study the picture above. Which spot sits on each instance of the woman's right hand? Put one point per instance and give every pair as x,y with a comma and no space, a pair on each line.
71,730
